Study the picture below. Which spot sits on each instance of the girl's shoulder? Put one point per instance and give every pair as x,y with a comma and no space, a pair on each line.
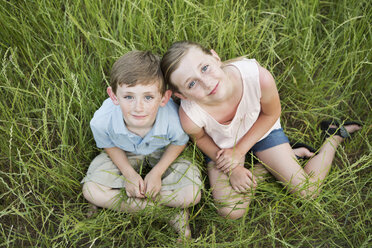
241,59
188,123
244,67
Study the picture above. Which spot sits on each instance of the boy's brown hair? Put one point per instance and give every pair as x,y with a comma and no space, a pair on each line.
137,67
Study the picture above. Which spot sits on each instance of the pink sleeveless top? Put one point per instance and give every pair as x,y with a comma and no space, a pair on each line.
226,136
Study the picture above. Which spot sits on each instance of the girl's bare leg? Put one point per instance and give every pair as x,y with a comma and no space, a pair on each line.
260,172
326,155
281,162
231,204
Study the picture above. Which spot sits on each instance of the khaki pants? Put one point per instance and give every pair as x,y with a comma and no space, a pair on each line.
180,173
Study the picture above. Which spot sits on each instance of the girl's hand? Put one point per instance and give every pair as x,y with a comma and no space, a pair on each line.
242,180
228,159
152,183
135,186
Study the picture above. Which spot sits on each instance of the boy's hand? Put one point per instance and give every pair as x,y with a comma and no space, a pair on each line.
135,186
242,180
228,159
152,183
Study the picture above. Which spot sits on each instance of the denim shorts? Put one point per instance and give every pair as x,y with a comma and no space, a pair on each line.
275,138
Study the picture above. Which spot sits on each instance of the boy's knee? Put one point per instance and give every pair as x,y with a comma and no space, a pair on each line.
231,213
88,191
93,192
192,196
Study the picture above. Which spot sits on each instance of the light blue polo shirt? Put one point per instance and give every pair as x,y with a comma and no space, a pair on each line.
109,129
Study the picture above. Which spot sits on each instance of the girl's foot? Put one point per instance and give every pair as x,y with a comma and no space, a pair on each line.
337,131
180,223
303,152
349,130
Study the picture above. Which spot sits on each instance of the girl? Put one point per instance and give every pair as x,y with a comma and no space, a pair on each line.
232,107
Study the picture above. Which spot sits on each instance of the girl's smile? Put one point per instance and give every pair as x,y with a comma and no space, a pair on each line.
214,90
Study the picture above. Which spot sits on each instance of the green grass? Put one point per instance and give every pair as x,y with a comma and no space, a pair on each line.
55,58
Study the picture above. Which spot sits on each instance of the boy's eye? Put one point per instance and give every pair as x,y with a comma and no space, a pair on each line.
128,97
191,84
204,68
149,98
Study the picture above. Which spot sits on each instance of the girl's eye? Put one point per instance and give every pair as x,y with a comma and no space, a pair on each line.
191,84
148,98
204,68
128,97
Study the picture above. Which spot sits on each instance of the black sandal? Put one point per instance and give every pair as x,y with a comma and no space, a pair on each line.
338,130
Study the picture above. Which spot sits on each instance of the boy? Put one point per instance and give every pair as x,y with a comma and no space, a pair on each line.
139,126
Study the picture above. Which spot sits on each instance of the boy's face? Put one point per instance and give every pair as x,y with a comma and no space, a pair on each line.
139,105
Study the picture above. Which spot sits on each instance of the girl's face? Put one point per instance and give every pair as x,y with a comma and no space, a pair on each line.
199,77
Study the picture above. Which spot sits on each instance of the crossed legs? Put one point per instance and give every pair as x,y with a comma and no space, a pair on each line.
106,197
231,204
282,163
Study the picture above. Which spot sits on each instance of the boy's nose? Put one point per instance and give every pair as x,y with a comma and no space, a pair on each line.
139,106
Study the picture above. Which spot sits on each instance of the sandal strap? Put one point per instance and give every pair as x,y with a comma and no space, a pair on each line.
343,132
340,131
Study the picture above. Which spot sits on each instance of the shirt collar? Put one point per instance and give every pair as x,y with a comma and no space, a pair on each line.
118,122
160,126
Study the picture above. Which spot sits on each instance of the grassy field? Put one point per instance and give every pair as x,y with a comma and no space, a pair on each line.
55,62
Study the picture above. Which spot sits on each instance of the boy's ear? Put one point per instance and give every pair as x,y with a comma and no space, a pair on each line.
166,97
112,95
180,96
215,55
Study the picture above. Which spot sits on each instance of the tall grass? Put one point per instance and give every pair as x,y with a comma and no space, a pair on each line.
55,61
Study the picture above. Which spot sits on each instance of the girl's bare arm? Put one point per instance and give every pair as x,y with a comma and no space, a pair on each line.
270,112
202,139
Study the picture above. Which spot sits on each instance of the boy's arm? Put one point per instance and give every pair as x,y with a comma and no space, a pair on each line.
153,178
134,184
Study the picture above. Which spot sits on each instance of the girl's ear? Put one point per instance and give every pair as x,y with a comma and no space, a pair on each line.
166,97
215,55
180,96
112,96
